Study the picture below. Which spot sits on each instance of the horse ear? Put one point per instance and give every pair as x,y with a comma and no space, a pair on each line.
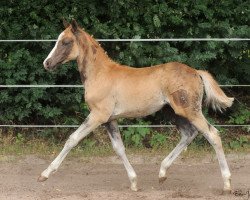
65,23
74,26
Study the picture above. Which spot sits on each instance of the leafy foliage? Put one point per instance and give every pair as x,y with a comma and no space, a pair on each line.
21,63
134,136
242,116
242,141
158,140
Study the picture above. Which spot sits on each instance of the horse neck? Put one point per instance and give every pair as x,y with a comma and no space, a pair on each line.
92,57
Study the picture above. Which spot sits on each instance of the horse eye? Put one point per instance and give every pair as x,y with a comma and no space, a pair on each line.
66,41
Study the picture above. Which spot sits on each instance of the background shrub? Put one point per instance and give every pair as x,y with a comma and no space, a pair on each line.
21,63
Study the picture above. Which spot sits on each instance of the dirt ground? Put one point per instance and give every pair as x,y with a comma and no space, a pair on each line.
105,178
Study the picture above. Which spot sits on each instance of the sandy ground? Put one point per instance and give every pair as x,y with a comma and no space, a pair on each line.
105,178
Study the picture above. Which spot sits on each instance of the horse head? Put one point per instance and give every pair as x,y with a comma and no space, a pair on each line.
66,47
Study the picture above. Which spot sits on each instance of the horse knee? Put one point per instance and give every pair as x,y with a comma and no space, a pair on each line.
119,149
71,142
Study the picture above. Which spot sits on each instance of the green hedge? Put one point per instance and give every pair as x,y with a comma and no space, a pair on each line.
21,63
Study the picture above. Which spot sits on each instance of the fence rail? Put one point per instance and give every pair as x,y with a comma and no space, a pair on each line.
79,86
142,40
120,126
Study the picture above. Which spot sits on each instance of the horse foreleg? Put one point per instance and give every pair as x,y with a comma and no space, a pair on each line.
115,137
90,124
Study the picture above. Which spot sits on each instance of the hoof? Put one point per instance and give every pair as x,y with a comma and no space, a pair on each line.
41,178
227,192
134,188
162,179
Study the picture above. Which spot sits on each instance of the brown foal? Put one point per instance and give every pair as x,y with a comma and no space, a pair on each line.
113,91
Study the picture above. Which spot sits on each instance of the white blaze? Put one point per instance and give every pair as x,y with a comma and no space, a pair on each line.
53,50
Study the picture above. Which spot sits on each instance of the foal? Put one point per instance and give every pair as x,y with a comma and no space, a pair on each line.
113,91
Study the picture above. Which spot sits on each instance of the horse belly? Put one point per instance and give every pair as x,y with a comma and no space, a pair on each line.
139,105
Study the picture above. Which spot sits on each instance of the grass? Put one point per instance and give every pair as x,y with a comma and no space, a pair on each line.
19,146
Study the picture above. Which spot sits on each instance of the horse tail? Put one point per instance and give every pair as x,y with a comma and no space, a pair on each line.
214,94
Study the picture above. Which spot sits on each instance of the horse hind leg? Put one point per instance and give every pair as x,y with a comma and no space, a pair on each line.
188,133
211,134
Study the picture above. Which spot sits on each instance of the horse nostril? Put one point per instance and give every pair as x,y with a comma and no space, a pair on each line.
47,63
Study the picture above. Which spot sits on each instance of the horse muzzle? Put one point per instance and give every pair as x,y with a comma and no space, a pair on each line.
49,64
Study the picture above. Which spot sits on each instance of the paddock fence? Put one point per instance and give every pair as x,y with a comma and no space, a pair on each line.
118,40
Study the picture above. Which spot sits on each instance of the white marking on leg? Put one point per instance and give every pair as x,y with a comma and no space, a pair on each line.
166,163
73,140
214,139
119,148
211,134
